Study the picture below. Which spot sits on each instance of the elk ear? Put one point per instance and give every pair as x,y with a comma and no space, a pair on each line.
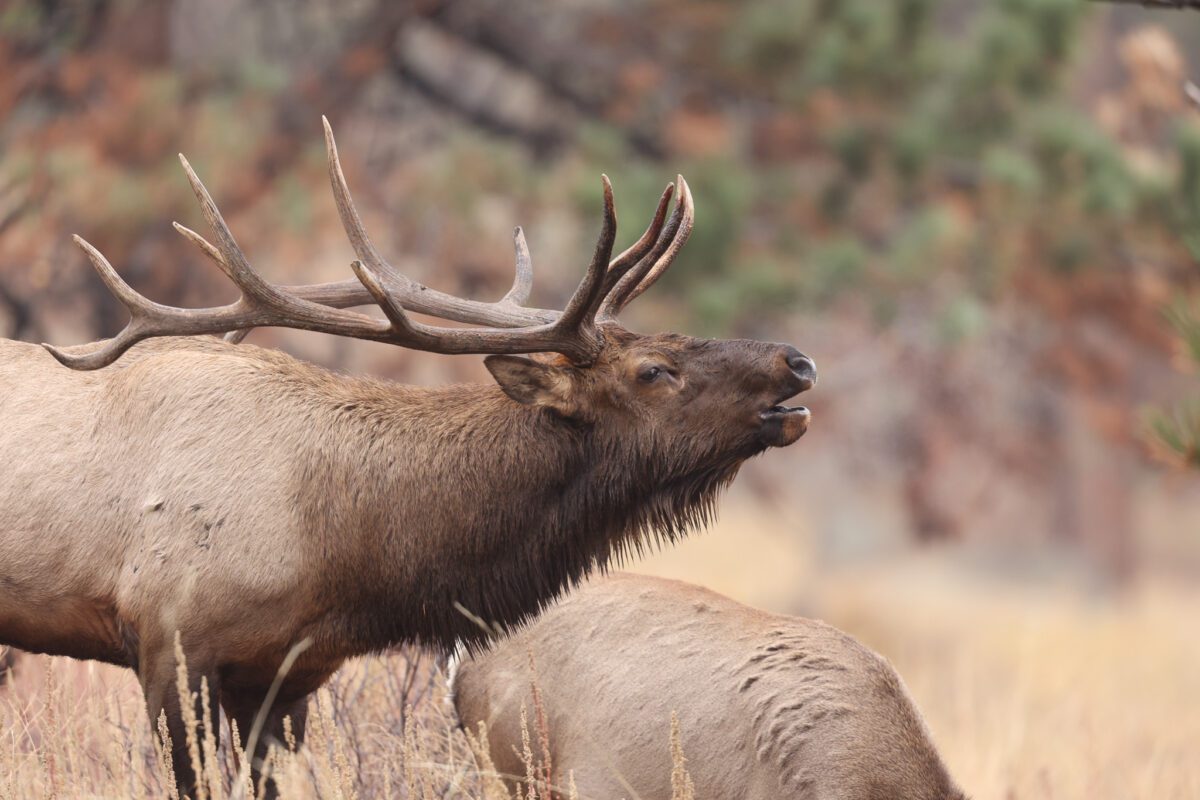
532,383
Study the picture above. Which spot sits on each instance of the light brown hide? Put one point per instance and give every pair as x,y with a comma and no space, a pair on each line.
769,706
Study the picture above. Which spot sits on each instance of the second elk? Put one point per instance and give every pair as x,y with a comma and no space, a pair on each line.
769,706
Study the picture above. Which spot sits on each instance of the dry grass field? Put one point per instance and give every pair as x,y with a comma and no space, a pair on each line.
1044,694
1033,692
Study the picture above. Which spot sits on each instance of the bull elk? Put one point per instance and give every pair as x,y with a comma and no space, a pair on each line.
249,501
769,706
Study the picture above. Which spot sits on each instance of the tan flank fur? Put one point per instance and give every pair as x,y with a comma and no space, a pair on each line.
251,501
769,706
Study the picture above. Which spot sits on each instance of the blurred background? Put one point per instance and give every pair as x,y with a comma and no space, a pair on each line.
981,218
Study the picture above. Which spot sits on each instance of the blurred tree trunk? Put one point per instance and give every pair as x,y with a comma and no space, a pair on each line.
1093,360
1098,488
21,324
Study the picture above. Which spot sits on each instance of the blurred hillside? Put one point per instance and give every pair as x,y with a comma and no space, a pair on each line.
974,215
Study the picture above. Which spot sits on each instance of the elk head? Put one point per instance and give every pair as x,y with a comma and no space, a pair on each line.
692,400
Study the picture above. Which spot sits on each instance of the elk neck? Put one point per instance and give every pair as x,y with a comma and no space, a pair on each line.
422,503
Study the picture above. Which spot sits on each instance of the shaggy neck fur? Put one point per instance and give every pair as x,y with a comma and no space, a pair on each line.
460,499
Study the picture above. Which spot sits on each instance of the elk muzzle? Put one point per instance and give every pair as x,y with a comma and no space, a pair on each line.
783,425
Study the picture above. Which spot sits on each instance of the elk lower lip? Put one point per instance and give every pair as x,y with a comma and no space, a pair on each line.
781,426
783,410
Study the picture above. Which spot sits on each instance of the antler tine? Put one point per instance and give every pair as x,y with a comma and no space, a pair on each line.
351,221
667,258
204,245
233,261
639,248
581,309
518,295
140,310
651,265
134,302
99,357
234,337
636,251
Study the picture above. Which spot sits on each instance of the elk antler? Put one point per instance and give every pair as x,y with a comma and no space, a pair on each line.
511,327
641,265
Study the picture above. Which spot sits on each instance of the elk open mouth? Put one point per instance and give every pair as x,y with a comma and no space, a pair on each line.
783,425
782,411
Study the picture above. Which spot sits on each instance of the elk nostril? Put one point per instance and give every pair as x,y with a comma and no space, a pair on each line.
799,362
803,367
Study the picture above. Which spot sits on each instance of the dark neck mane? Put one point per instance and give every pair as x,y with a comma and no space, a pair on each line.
460,500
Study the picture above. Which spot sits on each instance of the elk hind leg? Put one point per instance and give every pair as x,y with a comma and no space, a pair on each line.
8,658
283,727
187,726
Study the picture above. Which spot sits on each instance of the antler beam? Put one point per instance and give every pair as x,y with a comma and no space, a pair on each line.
510,327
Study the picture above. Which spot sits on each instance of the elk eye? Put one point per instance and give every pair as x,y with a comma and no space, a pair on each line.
650,374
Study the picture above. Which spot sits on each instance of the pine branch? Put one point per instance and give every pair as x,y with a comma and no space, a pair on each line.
1178,430
1186,323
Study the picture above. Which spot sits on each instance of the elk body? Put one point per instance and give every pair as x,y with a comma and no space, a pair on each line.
769,706
249,502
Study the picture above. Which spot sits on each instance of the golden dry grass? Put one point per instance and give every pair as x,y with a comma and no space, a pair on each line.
383,728
1032,692
1043,693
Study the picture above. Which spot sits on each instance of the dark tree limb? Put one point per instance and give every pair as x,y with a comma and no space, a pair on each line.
501,31
1178,5
542,141
21,323
19,313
